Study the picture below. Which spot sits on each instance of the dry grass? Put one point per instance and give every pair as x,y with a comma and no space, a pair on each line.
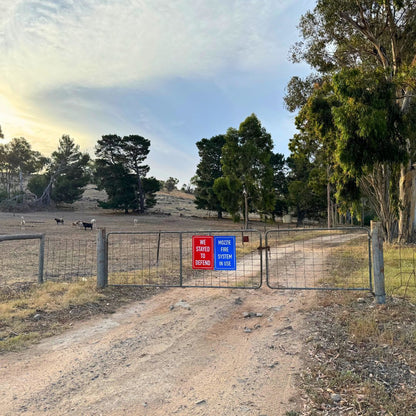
361,358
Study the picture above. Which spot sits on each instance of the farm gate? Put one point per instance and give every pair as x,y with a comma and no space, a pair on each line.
337,259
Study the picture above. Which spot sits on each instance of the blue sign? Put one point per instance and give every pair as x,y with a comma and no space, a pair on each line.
224,253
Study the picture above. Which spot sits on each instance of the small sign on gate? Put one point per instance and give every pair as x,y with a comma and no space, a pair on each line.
225,253
203,252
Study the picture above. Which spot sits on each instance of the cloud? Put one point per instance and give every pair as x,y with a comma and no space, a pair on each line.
104,43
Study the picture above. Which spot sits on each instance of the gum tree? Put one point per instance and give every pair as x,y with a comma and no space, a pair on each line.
372,36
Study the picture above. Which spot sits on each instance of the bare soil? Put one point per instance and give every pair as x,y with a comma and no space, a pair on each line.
185,352
168,352
207,351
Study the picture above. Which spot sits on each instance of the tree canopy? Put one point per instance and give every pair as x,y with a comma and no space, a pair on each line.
208,170
247,181
365,52
119,169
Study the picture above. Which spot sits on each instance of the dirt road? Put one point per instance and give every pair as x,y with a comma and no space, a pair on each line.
181,352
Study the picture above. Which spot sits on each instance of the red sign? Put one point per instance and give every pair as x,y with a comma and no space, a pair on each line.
203,252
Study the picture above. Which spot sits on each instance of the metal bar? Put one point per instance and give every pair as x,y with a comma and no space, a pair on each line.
41,258
180,261
21,237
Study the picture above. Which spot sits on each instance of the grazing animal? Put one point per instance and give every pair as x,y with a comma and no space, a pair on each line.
77,223
135,221
59,221
87,225
22,221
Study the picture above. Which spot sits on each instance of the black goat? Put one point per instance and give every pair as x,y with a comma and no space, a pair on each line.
87,225
59,221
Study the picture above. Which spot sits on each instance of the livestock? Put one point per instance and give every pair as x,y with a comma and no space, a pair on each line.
87,225
22,221
59,221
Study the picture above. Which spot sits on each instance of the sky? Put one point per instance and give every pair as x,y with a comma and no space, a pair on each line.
172,71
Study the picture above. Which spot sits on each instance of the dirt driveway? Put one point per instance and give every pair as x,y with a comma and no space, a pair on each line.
180,352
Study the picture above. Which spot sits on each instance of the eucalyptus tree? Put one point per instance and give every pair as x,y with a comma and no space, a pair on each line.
247,181
17,162
376,37
208,170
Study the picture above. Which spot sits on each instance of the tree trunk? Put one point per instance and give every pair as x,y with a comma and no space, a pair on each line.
407,204
141,195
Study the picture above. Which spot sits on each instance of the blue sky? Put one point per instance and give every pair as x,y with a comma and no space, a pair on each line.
172,71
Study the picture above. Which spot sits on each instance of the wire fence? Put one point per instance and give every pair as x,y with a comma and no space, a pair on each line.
19,261
400,269
296,258
61,260
165,259
336,259
69,260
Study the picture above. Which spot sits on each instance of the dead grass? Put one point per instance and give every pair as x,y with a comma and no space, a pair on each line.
362,357
31,312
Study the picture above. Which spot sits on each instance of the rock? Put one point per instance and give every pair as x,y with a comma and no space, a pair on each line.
336,398
182,304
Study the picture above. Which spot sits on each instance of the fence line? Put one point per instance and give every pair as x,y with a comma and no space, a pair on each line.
24,254
165,259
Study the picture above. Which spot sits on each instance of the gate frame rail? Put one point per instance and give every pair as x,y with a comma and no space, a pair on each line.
41,238
295,230
102,255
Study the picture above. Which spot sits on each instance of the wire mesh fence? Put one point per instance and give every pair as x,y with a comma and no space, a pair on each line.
400,269
69,259
60,259
165,259
19,260
318,259
290,258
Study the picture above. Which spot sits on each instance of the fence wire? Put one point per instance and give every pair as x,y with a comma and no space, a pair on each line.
400,269
19,261
68,259
165,259
318,259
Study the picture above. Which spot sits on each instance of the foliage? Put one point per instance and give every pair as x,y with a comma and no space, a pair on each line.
247,181
69,185
369,121
17,162
119,169
357,109
66,175
208,170
280,183
170,184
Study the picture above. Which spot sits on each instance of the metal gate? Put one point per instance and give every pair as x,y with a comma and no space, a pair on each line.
165,259
333,259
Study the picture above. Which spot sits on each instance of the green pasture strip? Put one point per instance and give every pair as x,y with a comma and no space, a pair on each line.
349,263
400,270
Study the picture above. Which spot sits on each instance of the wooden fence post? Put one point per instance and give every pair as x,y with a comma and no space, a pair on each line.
102,261
378,262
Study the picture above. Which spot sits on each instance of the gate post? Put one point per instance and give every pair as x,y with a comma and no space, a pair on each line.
102,261
378,262
41,258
